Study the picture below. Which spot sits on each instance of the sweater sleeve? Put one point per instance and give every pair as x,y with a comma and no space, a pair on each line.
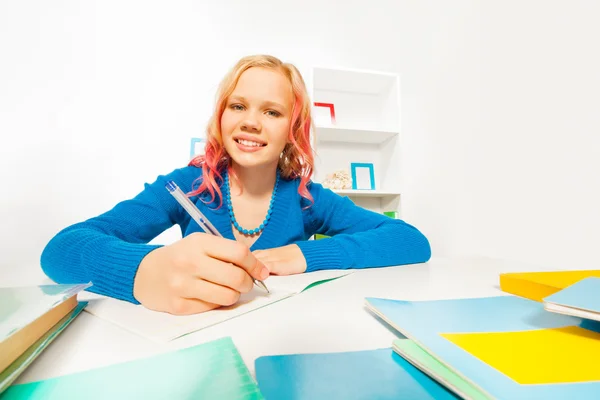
360,238
107,249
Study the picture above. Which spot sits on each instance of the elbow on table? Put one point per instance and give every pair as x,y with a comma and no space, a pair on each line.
420,251
423,250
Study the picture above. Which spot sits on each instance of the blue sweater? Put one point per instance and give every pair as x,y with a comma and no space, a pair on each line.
108,249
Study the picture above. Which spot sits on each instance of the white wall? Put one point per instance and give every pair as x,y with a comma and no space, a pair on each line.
499,108
537,192
504,151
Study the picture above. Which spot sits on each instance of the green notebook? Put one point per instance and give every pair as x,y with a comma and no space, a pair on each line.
428,364
213,370
10,374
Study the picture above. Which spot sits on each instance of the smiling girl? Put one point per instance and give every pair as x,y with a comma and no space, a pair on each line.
253,184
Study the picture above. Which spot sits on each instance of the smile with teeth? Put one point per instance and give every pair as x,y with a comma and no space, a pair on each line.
249,143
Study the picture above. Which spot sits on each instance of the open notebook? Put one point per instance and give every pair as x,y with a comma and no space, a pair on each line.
212,370
163,327
581,299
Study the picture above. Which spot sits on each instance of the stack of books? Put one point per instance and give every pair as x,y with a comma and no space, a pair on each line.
30,319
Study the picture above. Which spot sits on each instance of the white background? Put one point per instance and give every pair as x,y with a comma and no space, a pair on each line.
500,109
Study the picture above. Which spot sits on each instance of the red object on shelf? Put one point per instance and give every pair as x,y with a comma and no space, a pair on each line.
331,109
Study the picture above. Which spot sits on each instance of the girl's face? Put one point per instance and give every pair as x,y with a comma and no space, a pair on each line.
256,120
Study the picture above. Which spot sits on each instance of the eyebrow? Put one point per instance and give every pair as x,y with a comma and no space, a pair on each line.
266,103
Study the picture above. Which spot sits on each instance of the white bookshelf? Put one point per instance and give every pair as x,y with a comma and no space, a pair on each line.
365,193
366,130
370,136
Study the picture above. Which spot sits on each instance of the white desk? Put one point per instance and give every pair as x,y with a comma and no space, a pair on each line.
327,318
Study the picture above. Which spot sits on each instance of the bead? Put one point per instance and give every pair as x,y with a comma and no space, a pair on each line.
232,215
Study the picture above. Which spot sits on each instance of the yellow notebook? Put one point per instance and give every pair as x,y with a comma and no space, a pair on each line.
537,285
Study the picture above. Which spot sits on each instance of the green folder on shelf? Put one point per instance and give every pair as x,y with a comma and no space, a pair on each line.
213,370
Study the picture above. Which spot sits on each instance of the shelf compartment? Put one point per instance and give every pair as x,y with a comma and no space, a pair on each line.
365,193
349,135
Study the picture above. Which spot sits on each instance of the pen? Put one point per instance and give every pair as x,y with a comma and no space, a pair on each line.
197,216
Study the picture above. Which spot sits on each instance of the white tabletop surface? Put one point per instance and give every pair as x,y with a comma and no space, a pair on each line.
327,318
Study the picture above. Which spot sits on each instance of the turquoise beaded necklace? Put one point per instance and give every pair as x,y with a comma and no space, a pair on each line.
232,215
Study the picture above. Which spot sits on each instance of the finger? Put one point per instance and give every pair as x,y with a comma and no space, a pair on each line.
236,253
224,274
183,306
209,292
271,266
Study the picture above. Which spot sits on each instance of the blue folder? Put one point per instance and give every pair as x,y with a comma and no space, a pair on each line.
379,374
583,295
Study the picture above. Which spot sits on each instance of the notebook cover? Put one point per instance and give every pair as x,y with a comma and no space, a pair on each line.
212,370
538,285
508,347
378,374
12,372
584,295
421,359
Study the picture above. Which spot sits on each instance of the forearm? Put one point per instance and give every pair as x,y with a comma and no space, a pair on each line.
81,254
393,243
108,249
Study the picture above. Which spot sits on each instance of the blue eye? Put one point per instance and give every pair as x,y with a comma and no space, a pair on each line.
273,113
237,107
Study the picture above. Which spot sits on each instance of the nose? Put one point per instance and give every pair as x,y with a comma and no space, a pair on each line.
250,124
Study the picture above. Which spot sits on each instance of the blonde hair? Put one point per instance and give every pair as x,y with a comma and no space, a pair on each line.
296,161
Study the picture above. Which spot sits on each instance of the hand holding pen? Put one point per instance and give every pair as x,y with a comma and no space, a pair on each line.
198,273
197,216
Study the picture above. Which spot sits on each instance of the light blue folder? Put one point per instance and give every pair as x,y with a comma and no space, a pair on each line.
378,374
584,295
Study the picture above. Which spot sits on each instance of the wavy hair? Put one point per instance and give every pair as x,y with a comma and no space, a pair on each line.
296,160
